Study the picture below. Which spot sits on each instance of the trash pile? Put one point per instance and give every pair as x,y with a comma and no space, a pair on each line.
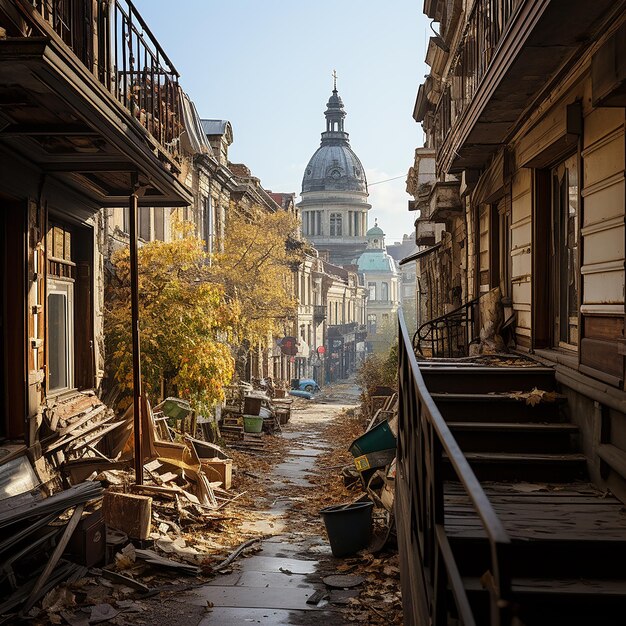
249,413
79,528
361,532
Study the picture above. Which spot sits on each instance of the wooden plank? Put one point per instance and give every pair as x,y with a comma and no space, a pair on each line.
129,513
54,559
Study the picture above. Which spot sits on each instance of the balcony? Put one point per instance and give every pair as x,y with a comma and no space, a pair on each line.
424,232
445,201
503,41
319,313
88,95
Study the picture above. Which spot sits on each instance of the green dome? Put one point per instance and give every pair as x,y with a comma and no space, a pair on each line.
375,230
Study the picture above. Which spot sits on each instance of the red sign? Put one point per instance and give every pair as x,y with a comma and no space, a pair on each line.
288,346
321,350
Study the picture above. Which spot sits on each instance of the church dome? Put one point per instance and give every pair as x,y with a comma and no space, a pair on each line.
334,166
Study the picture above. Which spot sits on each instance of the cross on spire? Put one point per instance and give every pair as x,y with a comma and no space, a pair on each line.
334,80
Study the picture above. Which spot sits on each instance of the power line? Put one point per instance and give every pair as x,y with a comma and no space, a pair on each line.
378,182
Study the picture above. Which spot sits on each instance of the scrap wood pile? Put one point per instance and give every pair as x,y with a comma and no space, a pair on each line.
96,516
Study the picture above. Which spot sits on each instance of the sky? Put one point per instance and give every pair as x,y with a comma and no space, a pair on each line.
266,66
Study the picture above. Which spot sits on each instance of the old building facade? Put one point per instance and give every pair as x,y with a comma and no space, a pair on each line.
524,115
382,281
76,134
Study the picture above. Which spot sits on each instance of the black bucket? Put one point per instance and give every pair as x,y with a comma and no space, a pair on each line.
349,527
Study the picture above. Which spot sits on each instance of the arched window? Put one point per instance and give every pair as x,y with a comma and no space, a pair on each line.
336,225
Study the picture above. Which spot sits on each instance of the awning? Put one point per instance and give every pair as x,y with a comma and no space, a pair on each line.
418,255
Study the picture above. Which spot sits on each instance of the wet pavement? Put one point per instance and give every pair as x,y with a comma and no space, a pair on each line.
272,587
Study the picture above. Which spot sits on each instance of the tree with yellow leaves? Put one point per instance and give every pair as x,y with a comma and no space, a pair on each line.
256,272
184,320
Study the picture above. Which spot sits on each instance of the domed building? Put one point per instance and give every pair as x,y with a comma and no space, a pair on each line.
382,281
334,192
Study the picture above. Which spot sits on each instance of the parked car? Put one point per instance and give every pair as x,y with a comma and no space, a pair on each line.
305,384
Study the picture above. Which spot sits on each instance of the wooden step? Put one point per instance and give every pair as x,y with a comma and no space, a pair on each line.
496,466
497,407
530,437
571,530
464,379
552,601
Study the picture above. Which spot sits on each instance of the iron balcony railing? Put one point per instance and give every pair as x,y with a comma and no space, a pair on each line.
449,335
485,28
432,585
115,44
319,313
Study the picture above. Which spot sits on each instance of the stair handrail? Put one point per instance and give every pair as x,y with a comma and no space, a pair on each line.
460,315
423,439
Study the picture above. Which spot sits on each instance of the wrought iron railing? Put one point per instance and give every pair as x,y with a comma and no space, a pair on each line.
432,586
448,335
486,25
319,313
117,47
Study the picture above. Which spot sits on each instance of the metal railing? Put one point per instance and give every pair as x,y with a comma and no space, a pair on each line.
484,29
117,47
432,586
448,335
319,313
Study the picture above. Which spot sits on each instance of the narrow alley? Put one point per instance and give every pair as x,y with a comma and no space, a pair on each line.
272,585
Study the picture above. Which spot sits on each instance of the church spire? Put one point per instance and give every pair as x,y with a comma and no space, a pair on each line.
335,113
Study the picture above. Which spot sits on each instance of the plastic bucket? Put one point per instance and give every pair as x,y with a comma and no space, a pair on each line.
349,527
252,423
379,438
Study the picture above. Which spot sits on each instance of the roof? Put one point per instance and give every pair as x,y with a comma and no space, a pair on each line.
376,260
214,127
218,128
375,230
193,139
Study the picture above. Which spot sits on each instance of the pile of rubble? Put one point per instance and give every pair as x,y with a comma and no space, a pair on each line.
78,514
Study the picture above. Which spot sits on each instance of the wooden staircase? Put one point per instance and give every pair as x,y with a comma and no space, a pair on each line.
568,540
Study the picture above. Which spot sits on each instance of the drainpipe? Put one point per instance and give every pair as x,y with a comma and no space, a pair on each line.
133,202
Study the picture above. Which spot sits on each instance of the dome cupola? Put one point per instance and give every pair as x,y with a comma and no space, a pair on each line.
334,166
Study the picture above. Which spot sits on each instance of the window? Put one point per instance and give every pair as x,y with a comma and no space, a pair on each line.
371,323
384,292
60,334
371,291
335,225
159,223
312,223
500,247
565,270
145,224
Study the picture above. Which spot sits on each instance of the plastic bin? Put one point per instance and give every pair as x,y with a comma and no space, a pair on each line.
379,438
252,423
349,527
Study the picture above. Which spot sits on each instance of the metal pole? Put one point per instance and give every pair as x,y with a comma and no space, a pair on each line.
134,313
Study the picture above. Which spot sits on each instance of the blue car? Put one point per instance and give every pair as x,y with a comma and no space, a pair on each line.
305,384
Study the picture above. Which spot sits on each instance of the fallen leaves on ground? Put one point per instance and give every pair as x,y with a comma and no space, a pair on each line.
535,396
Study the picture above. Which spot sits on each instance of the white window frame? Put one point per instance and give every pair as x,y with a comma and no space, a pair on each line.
65,287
